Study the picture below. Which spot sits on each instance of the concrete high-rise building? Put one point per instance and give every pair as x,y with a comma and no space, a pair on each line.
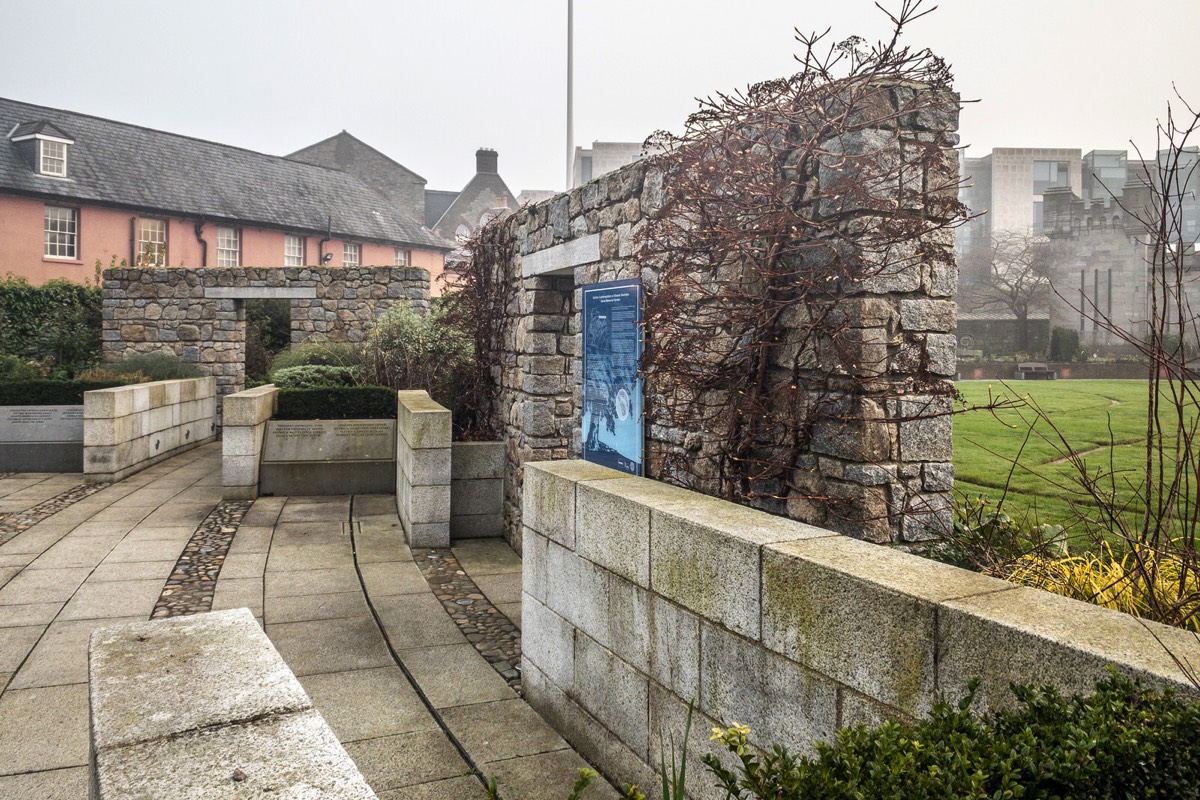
603,157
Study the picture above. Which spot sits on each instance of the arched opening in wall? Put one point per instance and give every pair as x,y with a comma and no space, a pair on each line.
268,332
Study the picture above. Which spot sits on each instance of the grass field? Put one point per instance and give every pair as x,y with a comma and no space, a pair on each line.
1090,414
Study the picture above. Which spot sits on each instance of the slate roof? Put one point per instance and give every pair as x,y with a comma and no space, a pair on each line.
436,203
126,166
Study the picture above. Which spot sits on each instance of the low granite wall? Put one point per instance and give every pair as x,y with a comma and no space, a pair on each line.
244,418
423,472
240,724
477,489
129,428
639,597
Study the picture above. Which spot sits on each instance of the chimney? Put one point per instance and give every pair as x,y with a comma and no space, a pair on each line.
486,160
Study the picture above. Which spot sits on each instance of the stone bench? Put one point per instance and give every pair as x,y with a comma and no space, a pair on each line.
204,706
1035,371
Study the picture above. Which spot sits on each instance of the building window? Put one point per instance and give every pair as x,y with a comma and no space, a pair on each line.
229,247
293,251
403,258
350,254
61,232
54,158
152,242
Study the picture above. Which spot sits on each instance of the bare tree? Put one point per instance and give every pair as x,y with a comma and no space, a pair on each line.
1016,268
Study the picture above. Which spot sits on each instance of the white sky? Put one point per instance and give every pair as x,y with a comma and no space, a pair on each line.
429,82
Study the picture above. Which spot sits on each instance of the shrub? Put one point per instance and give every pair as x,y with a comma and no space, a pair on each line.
1122,741
50,393
408,350
58,322
314,376
1064,345
329,354
147,367
13,368
337,402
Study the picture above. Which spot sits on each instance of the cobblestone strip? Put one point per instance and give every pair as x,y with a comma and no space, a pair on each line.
492,633
190,587
20,521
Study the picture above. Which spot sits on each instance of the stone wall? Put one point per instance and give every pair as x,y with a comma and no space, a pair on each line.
423,469
244,417
129,428
199,314
889,464
640,597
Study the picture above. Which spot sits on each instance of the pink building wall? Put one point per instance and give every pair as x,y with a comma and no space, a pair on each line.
108,234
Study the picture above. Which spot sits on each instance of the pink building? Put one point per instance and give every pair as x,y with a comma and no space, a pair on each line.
77,190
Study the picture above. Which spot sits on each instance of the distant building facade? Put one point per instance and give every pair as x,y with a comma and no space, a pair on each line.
601,157
485,197
77,190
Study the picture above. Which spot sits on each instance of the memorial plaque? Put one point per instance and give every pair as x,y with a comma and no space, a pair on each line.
330,440
612,384
41,423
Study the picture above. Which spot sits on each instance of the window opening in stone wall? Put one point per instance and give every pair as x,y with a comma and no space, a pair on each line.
61,230
229,247
268,333
152,242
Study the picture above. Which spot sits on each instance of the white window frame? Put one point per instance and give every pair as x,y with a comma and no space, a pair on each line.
52,158
229,247
403,258
152,242
351,254
60,233
293,250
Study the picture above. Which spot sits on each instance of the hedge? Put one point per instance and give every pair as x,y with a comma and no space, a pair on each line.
50,393
337,402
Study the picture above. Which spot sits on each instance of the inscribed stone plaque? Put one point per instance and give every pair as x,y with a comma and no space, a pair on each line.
41,423
612,384
330,440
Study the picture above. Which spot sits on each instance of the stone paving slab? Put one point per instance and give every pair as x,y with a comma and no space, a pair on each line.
132,571
339,645
368,703
455,675
415,621
58,784
113,599
29,614
43,729
287,583
394,762
61,658
302,608
547,776
43,586
501,730
16,644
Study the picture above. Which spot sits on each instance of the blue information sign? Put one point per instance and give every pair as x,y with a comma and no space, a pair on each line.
612,385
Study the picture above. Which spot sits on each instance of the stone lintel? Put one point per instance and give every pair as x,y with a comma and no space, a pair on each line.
562,258
260,292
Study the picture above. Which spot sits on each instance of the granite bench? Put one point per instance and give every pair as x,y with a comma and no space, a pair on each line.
204,706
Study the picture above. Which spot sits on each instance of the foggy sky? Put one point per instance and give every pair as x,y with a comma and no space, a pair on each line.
429,82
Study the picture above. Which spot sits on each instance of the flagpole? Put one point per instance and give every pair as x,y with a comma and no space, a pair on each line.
570,92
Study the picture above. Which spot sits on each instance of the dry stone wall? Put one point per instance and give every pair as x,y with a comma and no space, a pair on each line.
199,314
884,450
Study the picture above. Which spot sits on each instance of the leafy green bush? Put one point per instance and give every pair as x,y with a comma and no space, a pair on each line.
148,367
408,350
13,368
49,393
337,402
314,376
1123,741
329,354
1064,345
57,323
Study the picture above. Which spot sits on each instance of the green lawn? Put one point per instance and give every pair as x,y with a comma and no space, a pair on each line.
1089,414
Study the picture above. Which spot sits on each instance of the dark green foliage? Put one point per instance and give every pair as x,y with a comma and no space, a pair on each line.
337,402
1064,345
49,393
410,350
314,376
57,323
268,332
330,354
13,368
1123,741
154,366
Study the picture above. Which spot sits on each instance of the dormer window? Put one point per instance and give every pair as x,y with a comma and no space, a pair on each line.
54,158
43,146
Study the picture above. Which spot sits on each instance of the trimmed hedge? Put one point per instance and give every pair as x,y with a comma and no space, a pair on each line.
337,402
50,393
314,376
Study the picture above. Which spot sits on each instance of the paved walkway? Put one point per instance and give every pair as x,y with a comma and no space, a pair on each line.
413,698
